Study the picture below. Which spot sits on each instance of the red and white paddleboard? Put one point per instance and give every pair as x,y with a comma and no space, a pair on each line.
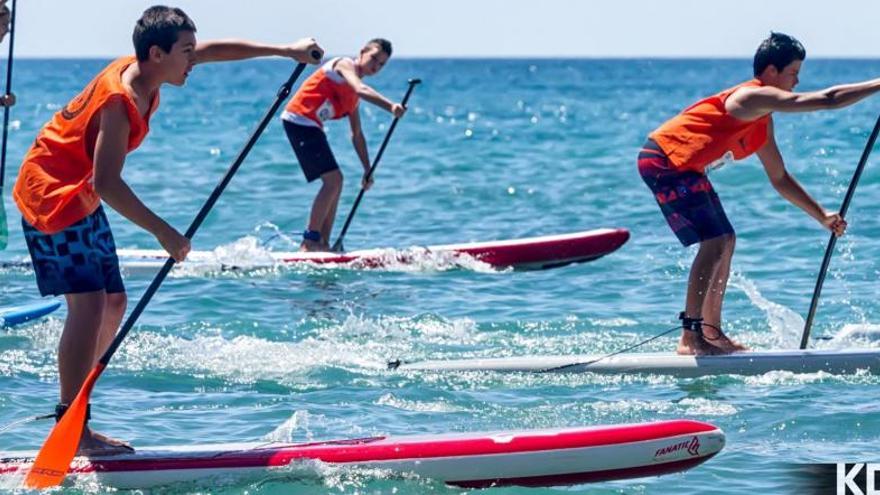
532,253
528,458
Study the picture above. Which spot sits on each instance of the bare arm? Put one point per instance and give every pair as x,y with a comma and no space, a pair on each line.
360,146
790,189
111,147
753,103
347,69
228,50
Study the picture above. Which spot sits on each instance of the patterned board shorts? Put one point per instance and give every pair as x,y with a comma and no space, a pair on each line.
80,258
687,199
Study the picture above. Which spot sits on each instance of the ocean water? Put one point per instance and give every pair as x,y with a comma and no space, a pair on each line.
490,149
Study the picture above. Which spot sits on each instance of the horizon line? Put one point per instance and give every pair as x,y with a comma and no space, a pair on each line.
497,57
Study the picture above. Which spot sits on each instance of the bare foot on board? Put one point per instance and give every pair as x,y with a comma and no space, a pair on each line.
692,344
96,444
310,246
718,339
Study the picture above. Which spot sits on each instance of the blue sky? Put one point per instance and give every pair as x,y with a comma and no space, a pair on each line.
511,28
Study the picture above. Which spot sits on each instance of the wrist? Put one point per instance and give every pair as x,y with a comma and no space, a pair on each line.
161,229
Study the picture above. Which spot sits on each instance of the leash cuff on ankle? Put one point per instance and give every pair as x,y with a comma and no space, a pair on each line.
691,324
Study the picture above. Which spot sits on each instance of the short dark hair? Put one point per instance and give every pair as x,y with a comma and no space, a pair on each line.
382,43
159,25
778,50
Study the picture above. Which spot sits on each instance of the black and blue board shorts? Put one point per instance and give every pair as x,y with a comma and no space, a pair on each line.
686,198
312,149
80,258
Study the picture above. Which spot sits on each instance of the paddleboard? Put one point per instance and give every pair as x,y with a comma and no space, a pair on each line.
547,457
742,363
532,253
14,315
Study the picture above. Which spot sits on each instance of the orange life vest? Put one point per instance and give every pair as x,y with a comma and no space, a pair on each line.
325,95
704,134
55,186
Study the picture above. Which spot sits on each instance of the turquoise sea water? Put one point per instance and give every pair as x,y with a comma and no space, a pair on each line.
491,149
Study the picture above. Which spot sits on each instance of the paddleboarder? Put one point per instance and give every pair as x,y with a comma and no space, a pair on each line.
333,92
731,125
76,162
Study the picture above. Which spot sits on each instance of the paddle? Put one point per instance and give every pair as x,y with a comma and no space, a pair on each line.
60,447
817,291
4,229
337,246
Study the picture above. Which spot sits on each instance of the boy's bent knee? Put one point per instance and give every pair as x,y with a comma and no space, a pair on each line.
333,180
86,302
116,302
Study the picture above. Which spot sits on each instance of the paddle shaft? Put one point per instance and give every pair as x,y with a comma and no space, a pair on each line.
823,270
8,91
200,217
337,246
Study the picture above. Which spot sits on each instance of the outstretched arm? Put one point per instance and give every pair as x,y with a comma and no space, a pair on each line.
347,69
789,188
228,50
111,147
753,103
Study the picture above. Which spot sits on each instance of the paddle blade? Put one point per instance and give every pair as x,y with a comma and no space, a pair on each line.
53,461
4,229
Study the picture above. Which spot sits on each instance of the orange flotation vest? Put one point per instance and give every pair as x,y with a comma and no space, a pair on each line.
705,135
325,95
55,186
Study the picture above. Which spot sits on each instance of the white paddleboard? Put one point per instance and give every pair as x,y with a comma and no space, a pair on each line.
741,363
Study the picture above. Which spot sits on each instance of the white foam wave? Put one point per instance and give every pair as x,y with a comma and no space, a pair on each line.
687,406
613,322
856,335
358,344
785,324
248,256
244,255
439,406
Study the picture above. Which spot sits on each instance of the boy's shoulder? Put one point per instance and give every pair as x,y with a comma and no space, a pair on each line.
342,62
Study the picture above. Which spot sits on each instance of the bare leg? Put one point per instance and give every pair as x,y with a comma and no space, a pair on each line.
705,264
79,340
325,202
92,320
327,227
715,298
114,310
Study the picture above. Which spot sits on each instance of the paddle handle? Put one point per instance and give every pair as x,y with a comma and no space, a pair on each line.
337,246
8,91
823,270
283,92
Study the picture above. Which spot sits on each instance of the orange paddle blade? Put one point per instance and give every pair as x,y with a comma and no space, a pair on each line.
53,461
